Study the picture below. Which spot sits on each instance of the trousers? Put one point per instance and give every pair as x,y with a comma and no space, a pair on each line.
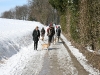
35,45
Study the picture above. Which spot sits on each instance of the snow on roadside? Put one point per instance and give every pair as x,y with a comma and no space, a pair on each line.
11,29
15,34
16,64
16,47
81,58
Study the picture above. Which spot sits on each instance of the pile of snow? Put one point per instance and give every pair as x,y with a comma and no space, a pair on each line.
14,34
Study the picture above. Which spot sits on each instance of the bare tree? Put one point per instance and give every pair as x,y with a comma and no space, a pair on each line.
42,11
19,12
7,14
22,12
39,10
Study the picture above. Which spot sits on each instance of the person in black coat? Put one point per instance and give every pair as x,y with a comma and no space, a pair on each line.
36,36
58,32
50,34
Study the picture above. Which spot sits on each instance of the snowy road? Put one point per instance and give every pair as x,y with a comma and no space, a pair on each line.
58,62
55,61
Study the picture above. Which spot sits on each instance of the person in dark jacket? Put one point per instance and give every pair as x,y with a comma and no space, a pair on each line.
42,33
50,34
36,36
58,32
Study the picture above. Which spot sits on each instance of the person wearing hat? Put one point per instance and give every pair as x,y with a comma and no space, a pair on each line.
36,36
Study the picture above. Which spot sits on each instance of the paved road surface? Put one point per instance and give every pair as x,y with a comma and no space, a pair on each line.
56,61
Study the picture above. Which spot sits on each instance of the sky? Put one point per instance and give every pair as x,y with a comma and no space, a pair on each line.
6,5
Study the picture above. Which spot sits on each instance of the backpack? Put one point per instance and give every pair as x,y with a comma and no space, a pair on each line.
58,31
51,32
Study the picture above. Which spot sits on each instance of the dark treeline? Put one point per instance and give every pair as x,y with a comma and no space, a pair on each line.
34,10
19,12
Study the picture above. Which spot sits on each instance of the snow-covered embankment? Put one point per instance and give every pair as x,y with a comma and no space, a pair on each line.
15,34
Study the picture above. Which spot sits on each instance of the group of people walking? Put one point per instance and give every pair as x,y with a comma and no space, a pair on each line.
50,33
